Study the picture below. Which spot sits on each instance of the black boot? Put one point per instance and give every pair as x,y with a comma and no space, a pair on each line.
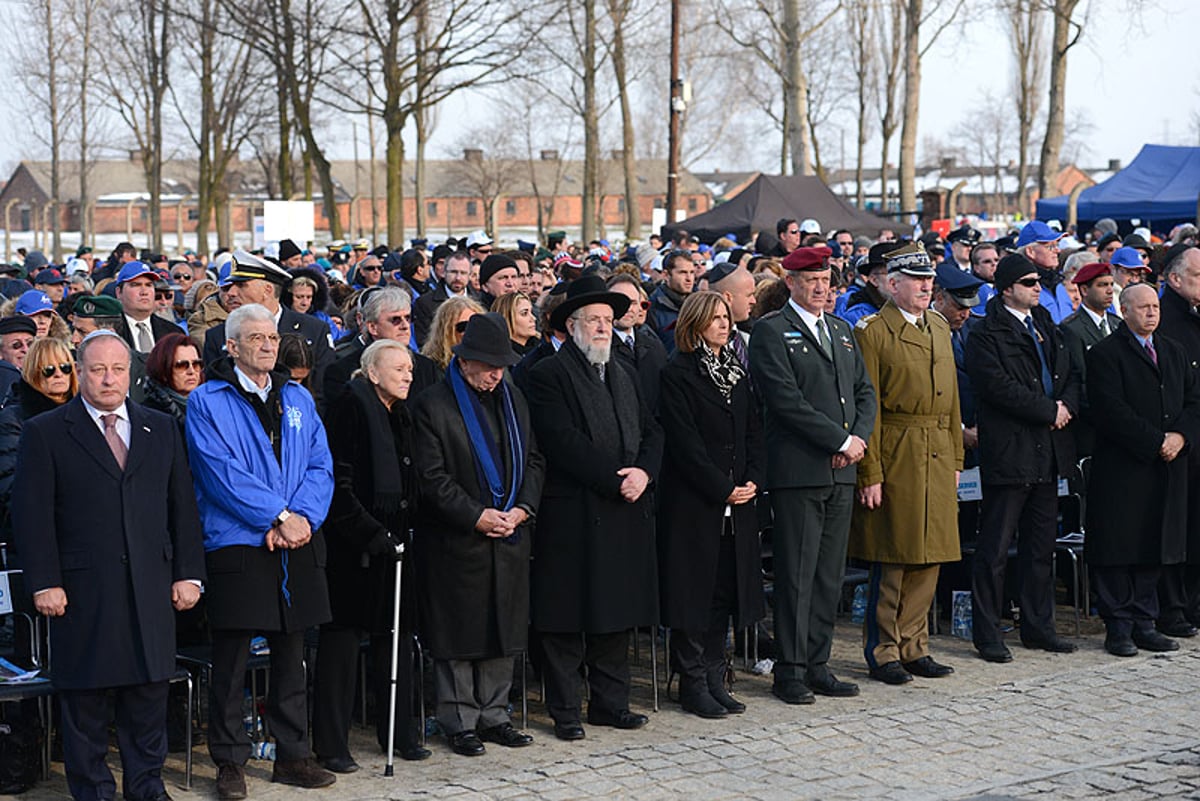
716,688
695,698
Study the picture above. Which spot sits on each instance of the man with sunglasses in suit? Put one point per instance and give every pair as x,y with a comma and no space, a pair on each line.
636,346
1028,391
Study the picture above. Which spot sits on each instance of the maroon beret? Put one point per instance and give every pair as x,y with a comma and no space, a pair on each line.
812,259
1091,271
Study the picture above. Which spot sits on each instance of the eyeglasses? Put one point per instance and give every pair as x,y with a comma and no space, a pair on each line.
1029,282
461,326
596,320
189,364
183,276
66,368
258,339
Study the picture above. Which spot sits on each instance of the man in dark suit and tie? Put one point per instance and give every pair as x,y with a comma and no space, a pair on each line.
140,326
637,346
1089,324
955,296
820,410
259,281
108,536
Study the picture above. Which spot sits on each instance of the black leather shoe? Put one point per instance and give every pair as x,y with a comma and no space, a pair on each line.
505,735
1151,640
342,764
702,704
466,743
831,686
1120,645
926,668
722,697
1180,628
569,731
622,719
1055,645
994,652
163,796
415,753
793,692
891,673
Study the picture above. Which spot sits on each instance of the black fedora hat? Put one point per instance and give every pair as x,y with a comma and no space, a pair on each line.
584,292
486,340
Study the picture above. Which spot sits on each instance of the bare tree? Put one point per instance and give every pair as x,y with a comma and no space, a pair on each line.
917,17
1067,31
488,167
81,21
136,78
1025,20
546,166
988,138
829,89
862,50
891,25
619,13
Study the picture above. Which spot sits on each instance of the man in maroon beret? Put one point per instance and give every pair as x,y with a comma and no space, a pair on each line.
1090,323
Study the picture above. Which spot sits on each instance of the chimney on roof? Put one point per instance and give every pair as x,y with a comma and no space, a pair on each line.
1114,165
948,162
472,154
549,155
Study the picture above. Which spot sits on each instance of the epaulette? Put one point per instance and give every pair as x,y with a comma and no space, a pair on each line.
863,322
771,315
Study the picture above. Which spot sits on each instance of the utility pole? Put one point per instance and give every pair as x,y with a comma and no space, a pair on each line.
676,107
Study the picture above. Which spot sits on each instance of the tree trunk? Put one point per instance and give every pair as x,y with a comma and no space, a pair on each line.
591,125
912,100
633,222
1052,143
795,91
395,183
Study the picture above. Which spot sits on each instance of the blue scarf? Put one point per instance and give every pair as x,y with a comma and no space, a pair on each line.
488,462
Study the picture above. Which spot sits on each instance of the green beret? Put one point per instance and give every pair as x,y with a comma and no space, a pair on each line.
97,306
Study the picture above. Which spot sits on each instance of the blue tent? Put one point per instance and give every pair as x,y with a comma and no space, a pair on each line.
1160,187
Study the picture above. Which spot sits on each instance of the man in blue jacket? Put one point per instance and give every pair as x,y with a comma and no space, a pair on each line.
264,479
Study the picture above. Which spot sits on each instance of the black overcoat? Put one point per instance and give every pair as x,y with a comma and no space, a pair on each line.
594,566
361,585
1181,323
646,360
1016,442
114,540
473,589
710,446
1137,503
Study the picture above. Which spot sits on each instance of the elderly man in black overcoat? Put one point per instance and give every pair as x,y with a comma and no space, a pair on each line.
109,539
594,569
1144,394
481,482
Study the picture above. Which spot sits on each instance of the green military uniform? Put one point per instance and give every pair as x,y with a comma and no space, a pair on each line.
816,394
915,452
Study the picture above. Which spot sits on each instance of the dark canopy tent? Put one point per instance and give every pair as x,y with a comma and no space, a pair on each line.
773,197
1160,187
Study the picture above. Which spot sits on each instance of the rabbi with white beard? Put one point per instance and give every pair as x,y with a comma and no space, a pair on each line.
594,570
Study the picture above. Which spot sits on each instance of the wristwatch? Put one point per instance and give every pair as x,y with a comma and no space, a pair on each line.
280,518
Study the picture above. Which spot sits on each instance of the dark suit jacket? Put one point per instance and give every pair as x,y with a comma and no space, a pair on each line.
1138,504
158,326
1080,334
1181,323
647,361
114,541
812,403
424,308
314,331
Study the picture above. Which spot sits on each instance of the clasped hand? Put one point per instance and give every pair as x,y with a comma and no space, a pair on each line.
742,494
1173,443
494,523
852,455
295,532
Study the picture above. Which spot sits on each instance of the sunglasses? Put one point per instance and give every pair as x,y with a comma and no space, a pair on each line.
192,364
370,268
66,368
163,295
1029,282
183,276
645,304
461,326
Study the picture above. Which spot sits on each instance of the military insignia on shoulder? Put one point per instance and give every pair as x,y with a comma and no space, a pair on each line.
865,321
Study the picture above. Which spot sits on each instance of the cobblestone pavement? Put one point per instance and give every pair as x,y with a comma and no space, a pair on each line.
1049,726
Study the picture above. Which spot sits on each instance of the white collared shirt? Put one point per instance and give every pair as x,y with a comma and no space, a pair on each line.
625,336
1098,319
248,384
915,319
122,419
135,325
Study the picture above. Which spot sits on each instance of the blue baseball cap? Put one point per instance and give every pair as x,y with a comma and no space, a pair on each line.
962,286
34,301
1037,231
1128,258
136,269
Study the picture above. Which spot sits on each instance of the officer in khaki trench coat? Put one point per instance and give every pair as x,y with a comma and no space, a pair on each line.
906,523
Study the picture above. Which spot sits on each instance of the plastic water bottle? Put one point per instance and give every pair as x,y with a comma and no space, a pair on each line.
248,716
858,609
262,751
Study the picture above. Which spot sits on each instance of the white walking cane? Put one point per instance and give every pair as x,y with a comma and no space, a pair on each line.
389,770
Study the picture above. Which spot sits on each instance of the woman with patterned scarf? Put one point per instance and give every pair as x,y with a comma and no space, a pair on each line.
709,554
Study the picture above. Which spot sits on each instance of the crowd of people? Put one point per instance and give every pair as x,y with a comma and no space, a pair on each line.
558,444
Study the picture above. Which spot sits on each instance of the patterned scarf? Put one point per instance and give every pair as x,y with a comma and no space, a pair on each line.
722,368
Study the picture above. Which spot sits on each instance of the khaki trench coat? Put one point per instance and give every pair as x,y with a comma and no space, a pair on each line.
916,446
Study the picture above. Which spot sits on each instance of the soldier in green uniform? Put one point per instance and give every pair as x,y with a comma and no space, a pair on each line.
906,520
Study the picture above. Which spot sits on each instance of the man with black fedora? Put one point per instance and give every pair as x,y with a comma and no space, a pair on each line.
256,280
1028,392
595,573
906,523
481,482
870,290
819,411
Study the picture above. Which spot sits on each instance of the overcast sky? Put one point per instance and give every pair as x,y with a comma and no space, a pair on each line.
1133,76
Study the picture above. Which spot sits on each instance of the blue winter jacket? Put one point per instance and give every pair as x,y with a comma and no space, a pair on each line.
240,487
